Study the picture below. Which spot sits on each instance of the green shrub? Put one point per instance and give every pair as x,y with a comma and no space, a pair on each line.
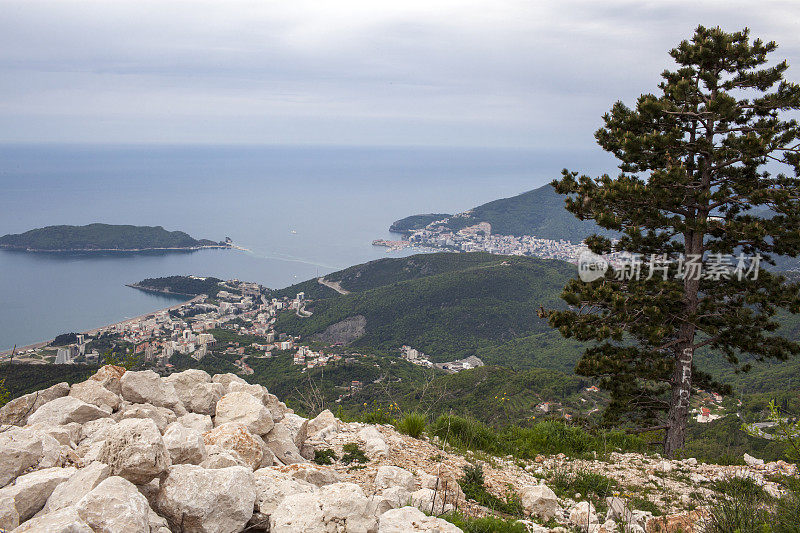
377,416
412,424
787,511
353,453
472,485
324,457
487,524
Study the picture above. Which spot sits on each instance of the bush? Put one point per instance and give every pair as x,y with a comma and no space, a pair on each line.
412,424
472,485
466,433
740,508
353,453
324,457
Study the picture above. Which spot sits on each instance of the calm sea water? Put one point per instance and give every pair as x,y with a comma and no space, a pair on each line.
303,211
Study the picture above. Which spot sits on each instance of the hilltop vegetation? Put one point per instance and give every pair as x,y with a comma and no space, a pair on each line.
539,212
188,285
100,237
449,306
415,222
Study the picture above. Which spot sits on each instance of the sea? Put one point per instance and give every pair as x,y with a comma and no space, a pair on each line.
300,211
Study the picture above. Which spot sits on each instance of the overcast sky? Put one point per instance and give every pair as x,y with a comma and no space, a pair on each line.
433,72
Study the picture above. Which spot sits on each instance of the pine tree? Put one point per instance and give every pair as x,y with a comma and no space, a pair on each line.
697,191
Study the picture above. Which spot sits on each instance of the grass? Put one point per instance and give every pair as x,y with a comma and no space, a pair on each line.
590,485
472,483
547,437
412,424
488,524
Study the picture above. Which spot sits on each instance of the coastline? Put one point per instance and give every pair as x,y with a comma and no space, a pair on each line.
122,250
6,353
159,291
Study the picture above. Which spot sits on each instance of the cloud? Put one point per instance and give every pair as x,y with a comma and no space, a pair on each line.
485,73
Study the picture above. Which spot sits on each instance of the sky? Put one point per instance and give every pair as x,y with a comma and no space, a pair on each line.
467,73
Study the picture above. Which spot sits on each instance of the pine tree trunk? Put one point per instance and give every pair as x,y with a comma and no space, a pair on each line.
679,402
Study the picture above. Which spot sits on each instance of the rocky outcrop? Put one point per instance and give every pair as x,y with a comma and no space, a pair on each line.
17,411
135,450
201,500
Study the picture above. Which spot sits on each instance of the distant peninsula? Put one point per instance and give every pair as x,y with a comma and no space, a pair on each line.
105,238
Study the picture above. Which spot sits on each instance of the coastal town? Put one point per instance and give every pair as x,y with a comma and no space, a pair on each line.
238,322
479,238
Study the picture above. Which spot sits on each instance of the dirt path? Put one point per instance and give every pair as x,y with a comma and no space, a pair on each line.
335,285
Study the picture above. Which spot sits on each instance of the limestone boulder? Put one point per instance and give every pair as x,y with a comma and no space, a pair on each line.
96,429
394,476
160,415
115,505
201,423
583,516
227,379
147,387
67,409
374,443
79,484
239,442
17,411
196,391
432,501
29,493
62,521
91,391
323,425
336,507
109,376
410,520
273,486
281,443
218,457
312,473
207,501
185,445
243,408
23,448
539,500
135,450
257,391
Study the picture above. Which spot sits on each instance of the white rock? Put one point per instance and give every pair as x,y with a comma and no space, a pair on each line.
115,505
315,474
341,506
394,476
391,498
752,461
135,450
374,444
19,450
212,501
147,387
160,415
201,423
237,441
17,411
322,426
273,486
242,408
184,445
583,515
62,521
96,429
431,501
65,410
281,442
297,426
29,493
411,519
92,391
540,501
257,391
219,458
77,486
109,377
227,379
196,391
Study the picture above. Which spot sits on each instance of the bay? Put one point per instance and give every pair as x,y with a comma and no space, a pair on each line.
302,211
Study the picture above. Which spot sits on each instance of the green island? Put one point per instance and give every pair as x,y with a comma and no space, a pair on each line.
104,237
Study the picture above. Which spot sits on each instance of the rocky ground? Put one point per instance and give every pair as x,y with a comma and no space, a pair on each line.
134,452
